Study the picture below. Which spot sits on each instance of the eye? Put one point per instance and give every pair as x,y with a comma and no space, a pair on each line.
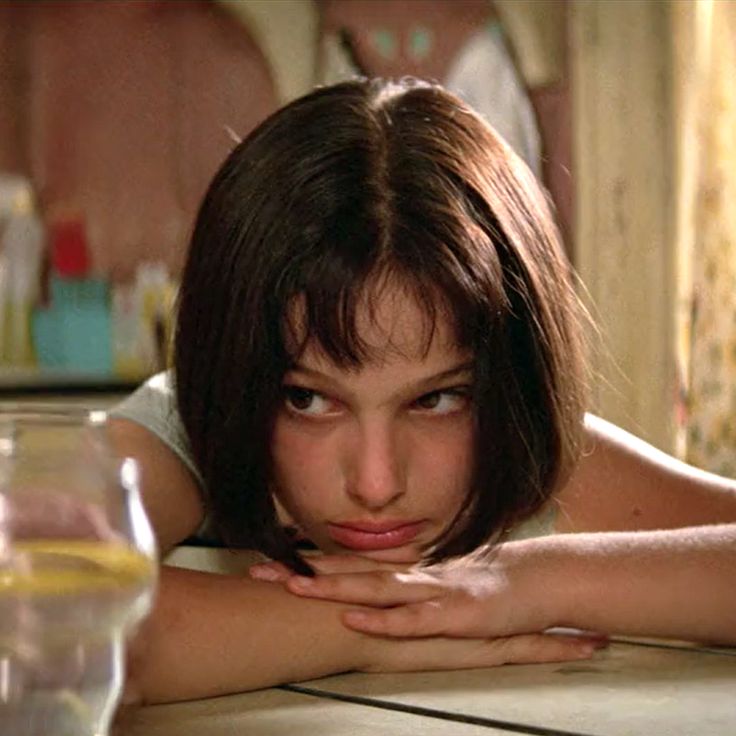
447,401
305,401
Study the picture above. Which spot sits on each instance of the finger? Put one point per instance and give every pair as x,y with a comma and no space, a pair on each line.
378,588
597,636
535,648
270,572
420,619
440,653
448,616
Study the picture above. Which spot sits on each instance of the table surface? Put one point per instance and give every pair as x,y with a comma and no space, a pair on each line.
634,687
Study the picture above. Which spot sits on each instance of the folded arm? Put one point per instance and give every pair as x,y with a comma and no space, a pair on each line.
678,583
212,634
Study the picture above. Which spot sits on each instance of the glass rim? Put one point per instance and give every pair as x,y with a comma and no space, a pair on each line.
50,413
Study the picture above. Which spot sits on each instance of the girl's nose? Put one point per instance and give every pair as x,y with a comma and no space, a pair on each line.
374,478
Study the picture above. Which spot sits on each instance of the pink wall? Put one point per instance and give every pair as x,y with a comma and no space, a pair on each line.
13,84
128,106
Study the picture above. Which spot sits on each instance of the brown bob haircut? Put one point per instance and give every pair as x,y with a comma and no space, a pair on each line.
367,179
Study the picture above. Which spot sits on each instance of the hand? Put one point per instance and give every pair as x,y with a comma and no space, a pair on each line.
479,596
431,626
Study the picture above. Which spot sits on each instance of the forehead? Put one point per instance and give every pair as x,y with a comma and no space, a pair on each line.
391,323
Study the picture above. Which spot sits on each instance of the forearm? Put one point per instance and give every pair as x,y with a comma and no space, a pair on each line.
214,634
674,584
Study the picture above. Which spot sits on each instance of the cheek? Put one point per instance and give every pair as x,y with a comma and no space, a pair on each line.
302,467
444,464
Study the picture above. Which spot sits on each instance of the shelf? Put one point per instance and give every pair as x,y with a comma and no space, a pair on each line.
30,380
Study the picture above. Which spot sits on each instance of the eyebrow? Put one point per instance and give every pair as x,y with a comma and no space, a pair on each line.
457,370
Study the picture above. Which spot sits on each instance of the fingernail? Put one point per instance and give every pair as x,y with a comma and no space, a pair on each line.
586,651
300,582
356,618
263,572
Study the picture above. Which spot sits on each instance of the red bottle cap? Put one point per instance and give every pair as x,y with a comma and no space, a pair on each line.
69,253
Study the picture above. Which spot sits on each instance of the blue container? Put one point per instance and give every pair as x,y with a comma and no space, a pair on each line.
74,334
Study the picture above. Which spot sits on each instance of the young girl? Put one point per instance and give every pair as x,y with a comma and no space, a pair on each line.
378,352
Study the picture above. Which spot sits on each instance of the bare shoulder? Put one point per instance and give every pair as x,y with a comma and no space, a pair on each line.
622,482
170,492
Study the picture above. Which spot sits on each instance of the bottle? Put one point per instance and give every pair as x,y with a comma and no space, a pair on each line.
20,263
72,333
156,294
128,363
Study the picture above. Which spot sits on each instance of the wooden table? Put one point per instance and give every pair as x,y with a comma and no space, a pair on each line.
635,687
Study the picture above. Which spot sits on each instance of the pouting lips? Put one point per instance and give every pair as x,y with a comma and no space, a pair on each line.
364,537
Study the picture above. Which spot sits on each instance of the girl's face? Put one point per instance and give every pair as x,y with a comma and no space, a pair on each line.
376,461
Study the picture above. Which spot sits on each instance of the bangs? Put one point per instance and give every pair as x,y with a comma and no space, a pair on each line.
340,294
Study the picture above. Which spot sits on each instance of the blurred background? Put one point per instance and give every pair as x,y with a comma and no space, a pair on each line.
114,115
